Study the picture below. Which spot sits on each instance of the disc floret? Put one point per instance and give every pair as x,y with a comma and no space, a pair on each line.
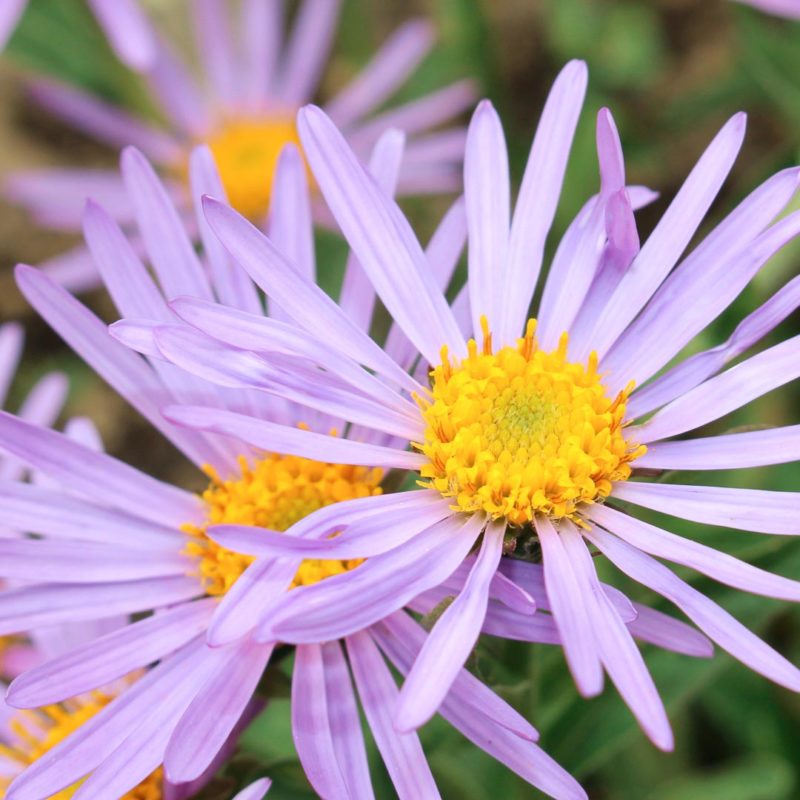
246,153
521,431
274,493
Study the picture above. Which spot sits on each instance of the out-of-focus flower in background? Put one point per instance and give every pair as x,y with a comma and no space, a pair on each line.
124,23
530,430
781,8
243,107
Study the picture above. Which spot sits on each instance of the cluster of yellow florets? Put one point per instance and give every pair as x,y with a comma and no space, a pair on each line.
275,493
246,153
522,431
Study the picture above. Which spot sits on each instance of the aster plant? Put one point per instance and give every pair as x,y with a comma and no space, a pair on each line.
540,429
243,106
122,542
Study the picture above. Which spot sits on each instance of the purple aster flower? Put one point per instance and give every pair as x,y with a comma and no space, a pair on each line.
533,432
123,22
113,540
781,8
243,107
25,736
41,407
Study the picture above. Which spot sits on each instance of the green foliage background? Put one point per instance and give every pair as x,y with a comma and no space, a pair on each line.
672,71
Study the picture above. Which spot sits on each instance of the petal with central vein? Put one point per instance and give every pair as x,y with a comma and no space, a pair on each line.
381,238
306,302
538,196
284,376
402,752
568,595
758,510
111,656
311,728
670,237
277,438
730,451
342,604
726,392
487,198
717,565
354,541
720,626
56,603
450,642
98,475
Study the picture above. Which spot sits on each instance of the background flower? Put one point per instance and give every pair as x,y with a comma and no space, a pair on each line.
243,106
783,8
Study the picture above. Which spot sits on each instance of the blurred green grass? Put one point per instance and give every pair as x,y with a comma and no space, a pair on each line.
672,72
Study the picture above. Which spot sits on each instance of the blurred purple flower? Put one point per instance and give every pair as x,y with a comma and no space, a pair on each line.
781,8
123,22
527,434
244,108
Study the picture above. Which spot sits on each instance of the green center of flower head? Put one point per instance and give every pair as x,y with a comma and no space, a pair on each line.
520,431
246,152
275,493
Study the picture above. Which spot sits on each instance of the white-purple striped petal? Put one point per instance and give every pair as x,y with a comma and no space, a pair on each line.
402,752
758,510
568,595
538,196
711,562
720,626
109,657
450,642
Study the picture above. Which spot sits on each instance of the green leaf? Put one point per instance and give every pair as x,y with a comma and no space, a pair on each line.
758,777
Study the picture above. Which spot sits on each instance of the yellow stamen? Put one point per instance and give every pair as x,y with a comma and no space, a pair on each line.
275,493
37,732
246,153
521,431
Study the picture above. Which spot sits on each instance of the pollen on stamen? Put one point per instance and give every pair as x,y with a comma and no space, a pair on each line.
520,431
274,493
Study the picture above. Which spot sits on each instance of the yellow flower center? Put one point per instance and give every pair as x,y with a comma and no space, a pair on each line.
37,732
246,152
277,492
522,432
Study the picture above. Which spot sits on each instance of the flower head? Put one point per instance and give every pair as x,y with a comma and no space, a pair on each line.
113,540
243,107
535,432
